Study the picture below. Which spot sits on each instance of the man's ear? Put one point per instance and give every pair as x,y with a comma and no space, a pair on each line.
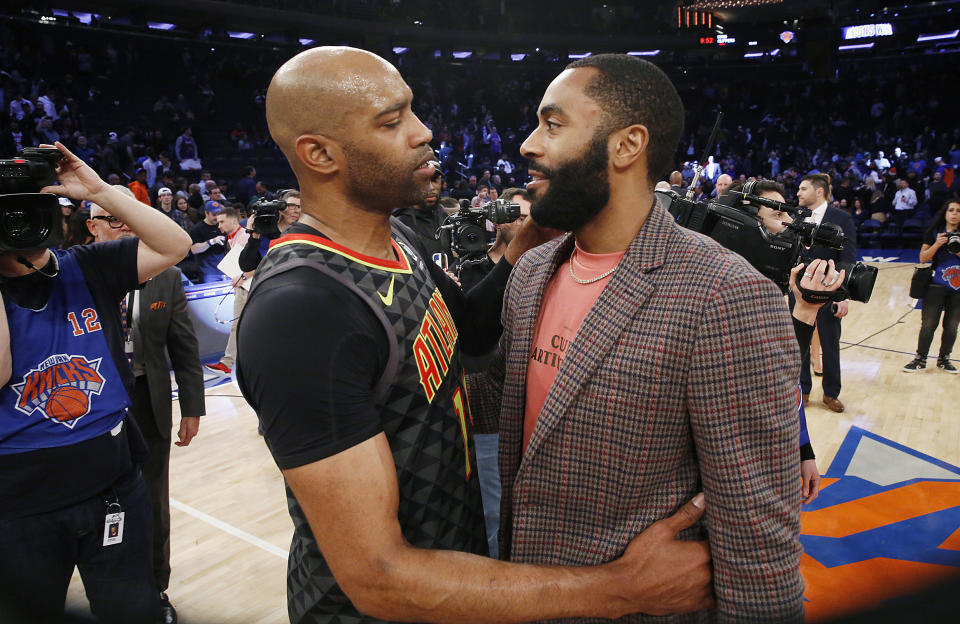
92,228
628,145
319,153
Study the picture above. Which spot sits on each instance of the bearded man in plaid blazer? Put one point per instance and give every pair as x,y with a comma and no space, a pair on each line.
641,362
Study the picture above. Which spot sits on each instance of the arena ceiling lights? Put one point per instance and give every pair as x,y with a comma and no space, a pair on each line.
240,35
856,46
938,37
160,26
644,53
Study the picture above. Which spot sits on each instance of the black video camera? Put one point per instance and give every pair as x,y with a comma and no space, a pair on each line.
735,225
265,216
29,219
467,227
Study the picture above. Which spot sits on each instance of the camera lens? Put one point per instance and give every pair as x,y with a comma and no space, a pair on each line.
828,235
859,281
953,243
23,228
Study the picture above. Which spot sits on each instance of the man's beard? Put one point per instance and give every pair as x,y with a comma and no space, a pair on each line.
381,184
578,190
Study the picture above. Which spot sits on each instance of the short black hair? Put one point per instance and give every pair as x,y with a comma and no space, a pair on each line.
759,186
634,91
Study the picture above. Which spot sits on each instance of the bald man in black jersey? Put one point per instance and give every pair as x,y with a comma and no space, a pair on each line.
349,350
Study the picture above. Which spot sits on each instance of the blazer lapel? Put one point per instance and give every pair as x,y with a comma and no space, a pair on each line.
525,308
628,290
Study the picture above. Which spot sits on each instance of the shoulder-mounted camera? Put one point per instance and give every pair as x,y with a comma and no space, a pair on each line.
733,222
467,227
29,219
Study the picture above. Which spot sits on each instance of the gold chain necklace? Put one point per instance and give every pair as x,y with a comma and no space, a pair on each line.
589,281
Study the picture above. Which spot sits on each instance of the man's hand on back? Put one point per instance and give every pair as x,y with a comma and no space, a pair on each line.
664,575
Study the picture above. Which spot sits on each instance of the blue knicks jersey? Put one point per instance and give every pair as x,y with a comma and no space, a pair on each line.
64,387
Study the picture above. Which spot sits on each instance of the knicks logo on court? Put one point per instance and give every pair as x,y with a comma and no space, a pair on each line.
951,275
60,388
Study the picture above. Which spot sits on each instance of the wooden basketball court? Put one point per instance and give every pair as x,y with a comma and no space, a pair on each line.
230,528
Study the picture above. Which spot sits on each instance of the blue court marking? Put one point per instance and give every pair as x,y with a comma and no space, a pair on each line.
914,539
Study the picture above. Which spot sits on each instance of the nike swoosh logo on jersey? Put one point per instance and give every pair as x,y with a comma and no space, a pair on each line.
388,299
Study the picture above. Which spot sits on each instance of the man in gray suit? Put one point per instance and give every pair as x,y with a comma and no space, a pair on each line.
156,324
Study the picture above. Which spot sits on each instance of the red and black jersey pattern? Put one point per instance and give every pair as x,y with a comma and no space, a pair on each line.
424,413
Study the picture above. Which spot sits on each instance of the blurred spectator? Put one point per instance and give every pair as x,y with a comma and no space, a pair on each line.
84,151
45,131
247,185
139,186
13,140
166,206
20,108
188,156
209,243
150,163
77,232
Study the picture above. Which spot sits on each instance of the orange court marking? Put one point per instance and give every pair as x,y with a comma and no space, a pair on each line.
879,510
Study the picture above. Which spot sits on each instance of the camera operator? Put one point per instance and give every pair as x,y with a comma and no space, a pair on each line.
814,193
472,273
257,245
804,318
71,493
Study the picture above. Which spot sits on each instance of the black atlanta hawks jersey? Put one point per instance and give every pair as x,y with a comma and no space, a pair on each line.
420,400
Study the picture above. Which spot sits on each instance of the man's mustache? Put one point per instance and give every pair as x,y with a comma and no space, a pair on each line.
547,172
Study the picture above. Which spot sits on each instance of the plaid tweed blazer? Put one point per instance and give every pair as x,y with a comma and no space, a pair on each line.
682,378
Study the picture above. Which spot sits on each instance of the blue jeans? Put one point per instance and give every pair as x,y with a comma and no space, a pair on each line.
489,473
38,554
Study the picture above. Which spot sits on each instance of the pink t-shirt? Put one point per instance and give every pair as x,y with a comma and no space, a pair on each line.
565,304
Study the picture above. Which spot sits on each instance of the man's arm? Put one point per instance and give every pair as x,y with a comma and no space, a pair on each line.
486,389
6,358
250,254
324,431
477,312
183,348
351,502
162,242
742,398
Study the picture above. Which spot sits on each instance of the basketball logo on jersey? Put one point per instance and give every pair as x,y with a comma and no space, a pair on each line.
60,388
951,275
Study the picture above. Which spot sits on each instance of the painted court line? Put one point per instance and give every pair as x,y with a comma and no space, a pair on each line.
227,528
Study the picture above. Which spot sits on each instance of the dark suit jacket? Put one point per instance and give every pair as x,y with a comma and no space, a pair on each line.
165,328
682,378
849,252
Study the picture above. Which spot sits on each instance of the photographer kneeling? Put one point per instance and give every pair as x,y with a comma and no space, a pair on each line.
71,493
